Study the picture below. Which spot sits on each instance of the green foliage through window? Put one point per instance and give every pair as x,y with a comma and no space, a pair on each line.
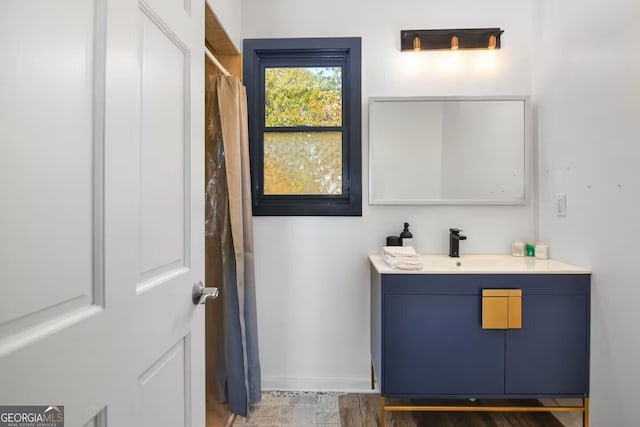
303,96
303,163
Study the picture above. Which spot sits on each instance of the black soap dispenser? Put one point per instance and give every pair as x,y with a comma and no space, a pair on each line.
406,238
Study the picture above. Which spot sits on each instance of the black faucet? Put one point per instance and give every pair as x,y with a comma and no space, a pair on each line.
454,242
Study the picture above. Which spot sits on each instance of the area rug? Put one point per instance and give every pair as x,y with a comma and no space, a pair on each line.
294,409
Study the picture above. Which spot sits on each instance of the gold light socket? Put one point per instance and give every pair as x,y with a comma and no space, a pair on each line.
417,43
492,42
454,42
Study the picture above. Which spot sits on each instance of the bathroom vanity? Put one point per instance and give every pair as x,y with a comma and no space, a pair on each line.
480,326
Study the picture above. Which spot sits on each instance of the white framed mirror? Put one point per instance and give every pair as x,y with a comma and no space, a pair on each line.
449,150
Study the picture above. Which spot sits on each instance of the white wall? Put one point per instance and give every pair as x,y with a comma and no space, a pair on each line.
587,88
229,14
312,272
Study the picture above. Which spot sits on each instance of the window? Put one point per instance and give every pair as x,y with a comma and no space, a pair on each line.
304,108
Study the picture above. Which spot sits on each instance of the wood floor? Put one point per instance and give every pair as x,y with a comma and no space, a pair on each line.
363,410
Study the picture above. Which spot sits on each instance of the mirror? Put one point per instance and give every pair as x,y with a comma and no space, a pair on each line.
448,150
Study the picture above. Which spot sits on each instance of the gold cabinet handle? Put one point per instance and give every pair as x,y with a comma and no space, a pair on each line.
501,308
515,309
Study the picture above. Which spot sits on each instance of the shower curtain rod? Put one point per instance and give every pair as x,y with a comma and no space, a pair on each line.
215,61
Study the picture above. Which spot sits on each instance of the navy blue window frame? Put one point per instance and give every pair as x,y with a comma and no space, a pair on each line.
259,54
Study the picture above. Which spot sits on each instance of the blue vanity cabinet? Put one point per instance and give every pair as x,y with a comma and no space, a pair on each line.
549,355
443,351
427,337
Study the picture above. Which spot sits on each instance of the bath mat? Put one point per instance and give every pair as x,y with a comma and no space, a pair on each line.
294,409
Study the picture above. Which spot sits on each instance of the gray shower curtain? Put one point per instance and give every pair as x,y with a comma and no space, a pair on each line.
233,365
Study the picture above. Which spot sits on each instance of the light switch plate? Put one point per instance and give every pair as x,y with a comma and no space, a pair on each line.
561,204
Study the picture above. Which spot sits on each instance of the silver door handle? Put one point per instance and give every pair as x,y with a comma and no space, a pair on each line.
200,294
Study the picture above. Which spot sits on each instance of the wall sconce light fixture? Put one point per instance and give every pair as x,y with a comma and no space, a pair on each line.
470,38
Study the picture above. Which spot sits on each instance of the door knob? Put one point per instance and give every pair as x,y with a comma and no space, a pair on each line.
200,294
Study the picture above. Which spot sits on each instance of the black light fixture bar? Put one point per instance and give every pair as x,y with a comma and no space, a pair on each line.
468,38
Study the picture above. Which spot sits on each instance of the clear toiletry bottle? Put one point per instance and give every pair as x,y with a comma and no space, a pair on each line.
406,237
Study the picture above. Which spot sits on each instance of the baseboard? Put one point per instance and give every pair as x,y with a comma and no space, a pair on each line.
347,385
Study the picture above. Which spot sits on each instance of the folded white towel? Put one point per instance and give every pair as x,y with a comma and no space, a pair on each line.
403,251
403,262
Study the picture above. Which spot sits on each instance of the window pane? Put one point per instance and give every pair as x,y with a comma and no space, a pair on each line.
310,96
302,163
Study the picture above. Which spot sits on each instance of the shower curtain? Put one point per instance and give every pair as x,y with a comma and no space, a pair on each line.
233,366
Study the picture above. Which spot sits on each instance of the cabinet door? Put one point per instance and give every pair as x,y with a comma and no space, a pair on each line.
434,345
549,354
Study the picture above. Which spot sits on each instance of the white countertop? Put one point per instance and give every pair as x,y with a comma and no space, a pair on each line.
480,264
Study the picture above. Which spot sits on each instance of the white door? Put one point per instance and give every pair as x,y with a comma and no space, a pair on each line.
101,217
